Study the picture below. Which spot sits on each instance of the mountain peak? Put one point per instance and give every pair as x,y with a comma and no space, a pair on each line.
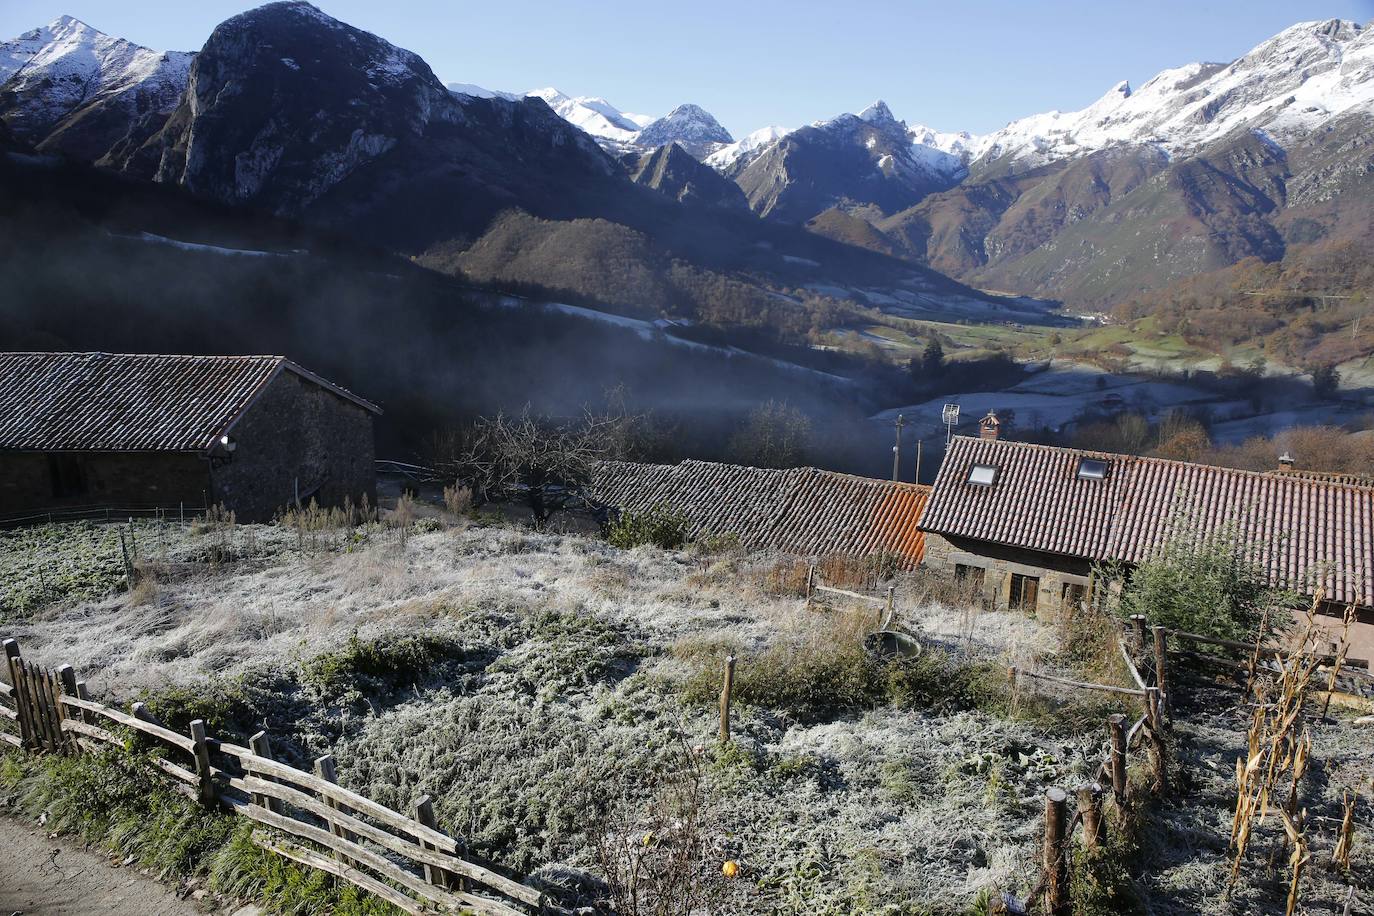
877,113
691,126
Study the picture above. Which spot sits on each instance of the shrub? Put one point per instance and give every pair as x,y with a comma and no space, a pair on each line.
1204,582
659,526
378,665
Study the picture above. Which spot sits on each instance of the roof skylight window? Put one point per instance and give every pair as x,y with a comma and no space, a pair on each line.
1092,469
983,475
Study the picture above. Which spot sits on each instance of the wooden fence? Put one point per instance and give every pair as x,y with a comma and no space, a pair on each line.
404,860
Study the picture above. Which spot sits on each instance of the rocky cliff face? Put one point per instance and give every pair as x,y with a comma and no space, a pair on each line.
68,88
676,173
291,111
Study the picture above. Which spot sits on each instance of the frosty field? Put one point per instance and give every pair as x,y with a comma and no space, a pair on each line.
545,689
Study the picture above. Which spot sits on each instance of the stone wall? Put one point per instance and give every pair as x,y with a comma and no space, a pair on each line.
297,435
118,480
998,564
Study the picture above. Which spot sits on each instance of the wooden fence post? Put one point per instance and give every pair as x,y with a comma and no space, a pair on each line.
83,694
1158,755
202,755
1056,861
1090,810
1162,666
14,665
261,745
66,676
424,813
1116,725
891,606
810,581
326,770
725,691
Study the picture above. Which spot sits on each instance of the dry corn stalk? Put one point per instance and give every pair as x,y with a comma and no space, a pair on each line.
1340,855
1275,748
1297,859
1340,658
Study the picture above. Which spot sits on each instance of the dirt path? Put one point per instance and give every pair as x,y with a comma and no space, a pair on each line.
56,877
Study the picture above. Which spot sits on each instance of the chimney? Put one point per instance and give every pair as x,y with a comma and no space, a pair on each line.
1285,462
988,426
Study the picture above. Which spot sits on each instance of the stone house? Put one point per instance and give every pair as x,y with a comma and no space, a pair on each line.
1030,523
132,432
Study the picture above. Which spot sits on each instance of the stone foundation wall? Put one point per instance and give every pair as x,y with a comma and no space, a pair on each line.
998,564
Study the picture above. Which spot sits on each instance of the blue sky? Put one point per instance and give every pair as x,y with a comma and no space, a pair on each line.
970,66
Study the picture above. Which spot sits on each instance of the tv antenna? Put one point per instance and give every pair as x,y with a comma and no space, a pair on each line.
897,448
950,414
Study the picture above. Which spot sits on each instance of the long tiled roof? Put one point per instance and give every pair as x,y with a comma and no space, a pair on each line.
131,402
803,511
1308,533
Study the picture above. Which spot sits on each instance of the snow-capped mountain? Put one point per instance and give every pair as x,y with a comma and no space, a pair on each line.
622,132
1301,78
691,127
743,150
596,116
70,88
854,161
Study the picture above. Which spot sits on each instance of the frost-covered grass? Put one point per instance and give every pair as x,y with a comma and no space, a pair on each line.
529,681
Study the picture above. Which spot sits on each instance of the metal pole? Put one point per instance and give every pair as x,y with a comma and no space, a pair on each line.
919,444
897,449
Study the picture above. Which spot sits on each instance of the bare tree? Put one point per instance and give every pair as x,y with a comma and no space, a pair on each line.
545,463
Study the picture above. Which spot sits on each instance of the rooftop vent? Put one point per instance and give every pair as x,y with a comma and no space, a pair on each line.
983,475
1092,469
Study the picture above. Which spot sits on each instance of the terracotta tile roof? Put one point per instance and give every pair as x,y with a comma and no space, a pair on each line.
1309,532
131,402
803,511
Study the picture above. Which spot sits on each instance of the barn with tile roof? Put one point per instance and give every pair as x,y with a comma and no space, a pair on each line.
802,511
135,432
1030,522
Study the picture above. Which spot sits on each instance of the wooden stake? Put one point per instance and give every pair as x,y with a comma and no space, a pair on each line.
1116,726
725,691
82,694
1090,809
67,680
1056,862
1162,680
261,745
325,769
1158,752
424,813
202,755
810,581
14,663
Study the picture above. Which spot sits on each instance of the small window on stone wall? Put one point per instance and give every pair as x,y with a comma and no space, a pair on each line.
971,577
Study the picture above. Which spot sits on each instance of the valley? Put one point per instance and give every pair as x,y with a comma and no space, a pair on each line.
1175,238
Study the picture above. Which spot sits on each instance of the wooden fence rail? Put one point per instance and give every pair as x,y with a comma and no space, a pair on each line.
406,861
